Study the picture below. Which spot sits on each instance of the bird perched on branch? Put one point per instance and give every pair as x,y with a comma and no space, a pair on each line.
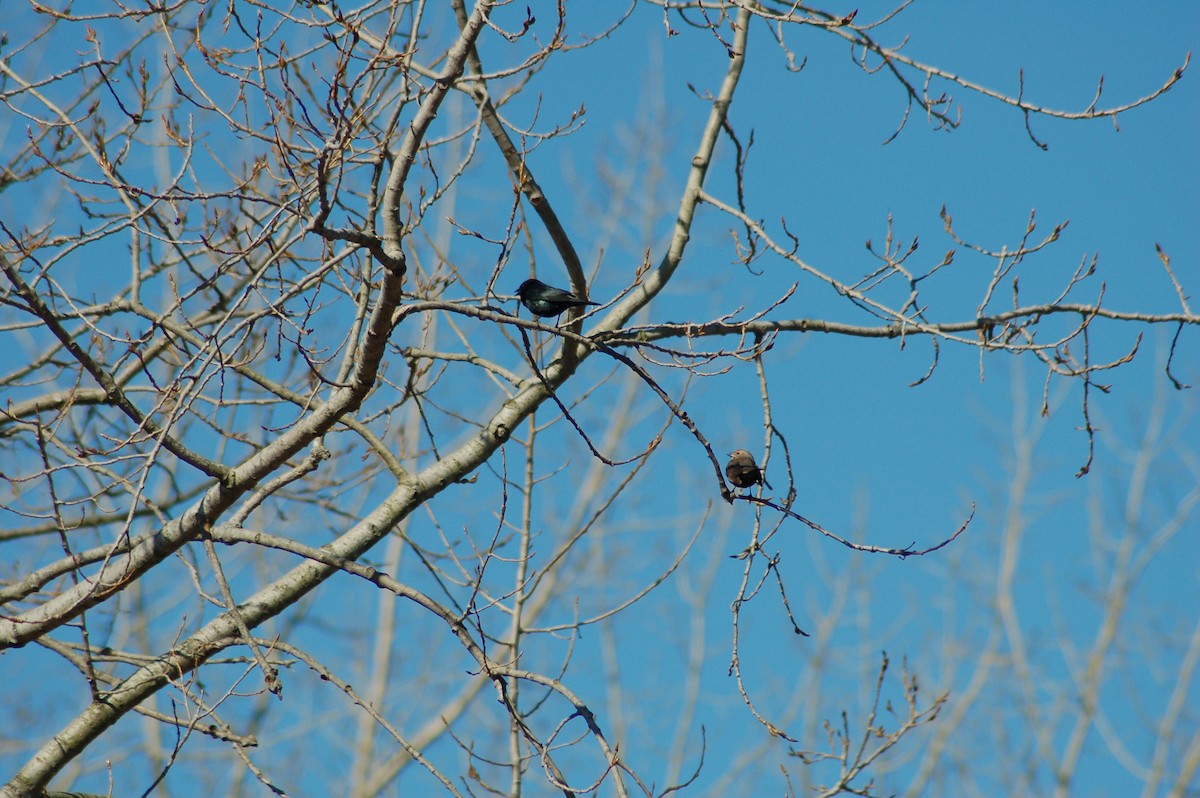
546,300
743,472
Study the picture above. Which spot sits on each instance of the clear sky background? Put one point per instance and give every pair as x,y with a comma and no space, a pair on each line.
875,458
894,464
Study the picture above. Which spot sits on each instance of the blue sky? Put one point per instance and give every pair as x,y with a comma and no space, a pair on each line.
875,459
819,161
895,464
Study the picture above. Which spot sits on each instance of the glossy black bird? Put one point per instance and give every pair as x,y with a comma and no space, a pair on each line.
546,300
743,472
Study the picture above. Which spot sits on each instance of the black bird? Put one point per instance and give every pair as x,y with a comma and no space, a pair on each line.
743,472
546,300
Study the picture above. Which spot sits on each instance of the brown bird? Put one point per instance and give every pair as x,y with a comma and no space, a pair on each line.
743,472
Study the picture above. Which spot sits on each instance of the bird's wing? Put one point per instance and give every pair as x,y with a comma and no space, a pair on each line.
558,295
